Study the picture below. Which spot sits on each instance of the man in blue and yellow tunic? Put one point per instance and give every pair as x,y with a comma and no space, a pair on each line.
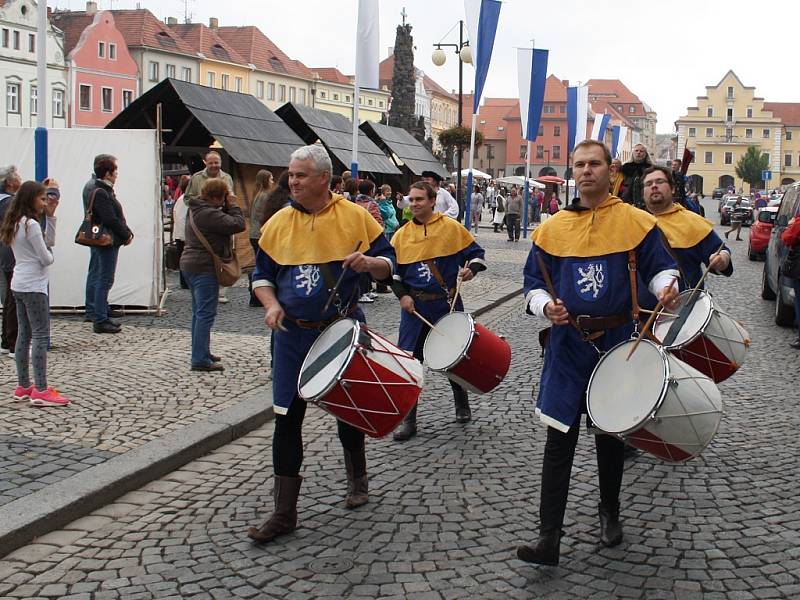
577,277
302,252
432,252
692,239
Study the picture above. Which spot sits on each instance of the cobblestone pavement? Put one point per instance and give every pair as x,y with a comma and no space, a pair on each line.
448,507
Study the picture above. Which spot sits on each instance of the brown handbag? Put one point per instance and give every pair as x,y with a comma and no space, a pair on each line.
227,271
92,234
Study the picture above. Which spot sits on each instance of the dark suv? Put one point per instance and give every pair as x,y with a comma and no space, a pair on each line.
718,193
773,285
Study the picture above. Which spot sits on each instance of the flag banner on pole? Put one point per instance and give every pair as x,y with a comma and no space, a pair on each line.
368,44
600,126
532,74
615,130
623,133
481,18
577,114
688,158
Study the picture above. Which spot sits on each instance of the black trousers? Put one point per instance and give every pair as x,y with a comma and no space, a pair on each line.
459,393
559,453
9,330
287,442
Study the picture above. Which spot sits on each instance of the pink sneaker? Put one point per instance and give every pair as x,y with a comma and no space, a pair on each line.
49,397
23,393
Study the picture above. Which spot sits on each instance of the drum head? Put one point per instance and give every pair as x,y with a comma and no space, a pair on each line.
622,393
446,348
695,323
327,359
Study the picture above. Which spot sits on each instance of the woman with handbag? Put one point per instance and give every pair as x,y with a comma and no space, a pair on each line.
22,231
212,220
791,238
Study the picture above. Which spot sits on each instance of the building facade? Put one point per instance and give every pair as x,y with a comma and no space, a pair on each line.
333,91
18,48
444,110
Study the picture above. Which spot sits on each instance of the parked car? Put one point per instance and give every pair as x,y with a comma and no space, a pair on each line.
722,200
718,193
759,232
744,210
774,286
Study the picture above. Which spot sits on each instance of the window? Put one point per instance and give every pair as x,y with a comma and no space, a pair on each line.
730,92
212,77
186,73
34,100
106,99
101,49
152,71
58,103
523,151
692,132
541,130
282,93
562,108
549,108
631,109
259,89
729,114
788,136
620,108
237,84
556,152
223,81
171,71
709,132
748,133
323,95
370,101
16,40
557,131
347,99
31,42
6,34
12,97
292,94
380,104
709,158
335,95
127,98
85,97
787,160
270,91
710,111
749,112
501,128
539,151
729,158
765,134
112,52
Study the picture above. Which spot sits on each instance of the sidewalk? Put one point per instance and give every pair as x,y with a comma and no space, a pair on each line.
139,413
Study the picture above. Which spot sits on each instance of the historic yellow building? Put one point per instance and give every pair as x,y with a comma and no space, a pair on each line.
333,91
728,119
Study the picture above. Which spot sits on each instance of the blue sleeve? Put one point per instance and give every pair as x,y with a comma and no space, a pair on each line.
652,256
380,247
709,246
266,269
474,255
533,279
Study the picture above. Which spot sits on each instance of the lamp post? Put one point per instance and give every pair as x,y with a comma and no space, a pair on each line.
439,57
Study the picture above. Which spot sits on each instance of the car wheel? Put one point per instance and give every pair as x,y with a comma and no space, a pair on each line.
766,291
784,312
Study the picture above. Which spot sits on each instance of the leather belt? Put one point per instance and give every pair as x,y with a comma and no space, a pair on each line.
304,324
425,296
589,324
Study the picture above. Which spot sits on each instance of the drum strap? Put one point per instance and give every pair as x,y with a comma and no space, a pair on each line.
439,279
634,290
330,283
674,256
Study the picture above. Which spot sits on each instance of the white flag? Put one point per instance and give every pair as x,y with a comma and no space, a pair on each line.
368,44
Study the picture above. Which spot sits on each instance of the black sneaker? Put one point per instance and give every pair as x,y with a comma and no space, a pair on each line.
795,344
106,327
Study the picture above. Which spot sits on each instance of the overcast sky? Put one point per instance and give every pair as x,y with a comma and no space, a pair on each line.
666,53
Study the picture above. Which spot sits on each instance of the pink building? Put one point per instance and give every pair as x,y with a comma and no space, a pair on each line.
103,77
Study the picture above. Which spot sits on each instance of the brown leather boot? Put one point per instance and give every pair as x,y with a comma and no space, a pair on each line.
545,552
284,518
357,488
408,428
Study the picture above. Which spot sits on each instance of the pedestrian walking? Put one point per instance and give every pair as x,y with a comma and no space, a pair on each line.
514,210
179,210
21,230
736,220
500,213
477,208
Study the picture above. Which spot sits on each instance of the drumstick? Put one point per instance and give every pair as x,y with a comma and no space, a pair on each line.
428,323
335,289
459,281
662,313
703,278
646,329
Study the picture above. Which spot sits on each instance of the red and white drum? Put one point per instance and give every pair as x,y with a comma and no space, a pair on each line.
710,340
654,401
360,378
467,353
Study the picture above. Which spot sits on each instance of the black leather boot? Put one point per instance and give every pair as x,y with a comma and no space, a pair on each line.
408,428
357,487
284,519
545,552
610,527
463,412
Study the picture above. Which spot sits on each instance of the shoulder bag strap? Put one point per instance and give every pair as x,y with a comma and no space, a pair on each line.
634,287
88,216
200,236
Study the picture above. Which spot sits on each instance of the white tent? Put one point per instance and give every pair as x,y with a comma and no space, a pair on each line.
139,280
475,174
520,181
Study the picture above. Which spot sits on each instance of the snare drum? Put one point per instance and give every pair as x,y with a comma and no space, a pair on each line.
710,340
467,353
360,378
654,401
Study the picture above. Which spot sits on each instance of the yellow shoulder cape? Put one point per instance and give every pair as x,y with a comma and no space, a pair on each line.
683,228
441,236
612,227
294,237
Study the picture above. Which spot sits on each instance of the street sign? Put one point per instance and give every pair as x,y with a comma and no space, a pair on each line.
766,175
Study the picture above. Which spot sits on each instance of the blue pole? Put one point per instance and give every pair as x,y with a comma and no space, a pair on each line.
354,170
526,197
40,145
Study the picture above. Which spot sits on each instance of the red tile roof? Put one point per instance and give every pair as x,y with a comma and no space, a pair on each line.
140,27
202,38
492,116
615,91
257,49
787,112
554,90
73,24
385,71
332,74
435,88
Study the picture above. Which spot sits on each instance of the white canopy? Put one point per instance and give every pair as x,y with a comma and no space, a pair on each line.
520,181
475,174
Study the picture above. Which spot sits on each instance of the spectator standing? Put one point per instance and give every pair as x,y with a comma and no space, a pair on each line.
616,177
22,231
179,223
264,186
10,181
363,198
552,207
390,224
476,208
632,190
513,212
791,238
499,218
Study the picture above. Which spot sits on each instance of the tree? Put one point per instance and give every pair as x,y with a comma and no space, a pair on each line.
751,164
401,113
456,139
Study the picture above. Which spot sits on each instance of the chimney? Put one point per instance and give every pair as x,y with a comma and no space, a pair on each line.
213,22
391,51
565,82
91,8
172,21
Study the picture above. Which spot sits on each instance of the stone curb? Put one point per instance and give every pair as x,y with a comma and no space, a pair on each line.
51,508
58,504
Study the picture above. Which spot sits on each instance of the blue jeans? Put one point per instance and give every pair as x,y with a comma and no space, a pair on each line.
205,295
99,279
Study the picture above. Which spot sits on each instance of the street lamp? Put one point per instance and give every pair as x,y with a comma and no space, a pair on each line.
439,57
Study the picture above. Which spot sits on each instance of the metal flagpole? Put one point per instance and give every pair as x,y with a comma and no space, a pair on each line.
354,160
468,203
40,134
526,195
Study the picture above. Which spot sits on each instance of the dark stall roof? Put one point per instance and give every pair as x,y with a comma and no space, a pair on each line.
405,146
335,131
248,131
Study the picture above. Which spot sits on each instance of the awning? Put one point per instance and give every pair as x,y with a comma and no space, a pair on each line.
404,146
335,131
195,115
